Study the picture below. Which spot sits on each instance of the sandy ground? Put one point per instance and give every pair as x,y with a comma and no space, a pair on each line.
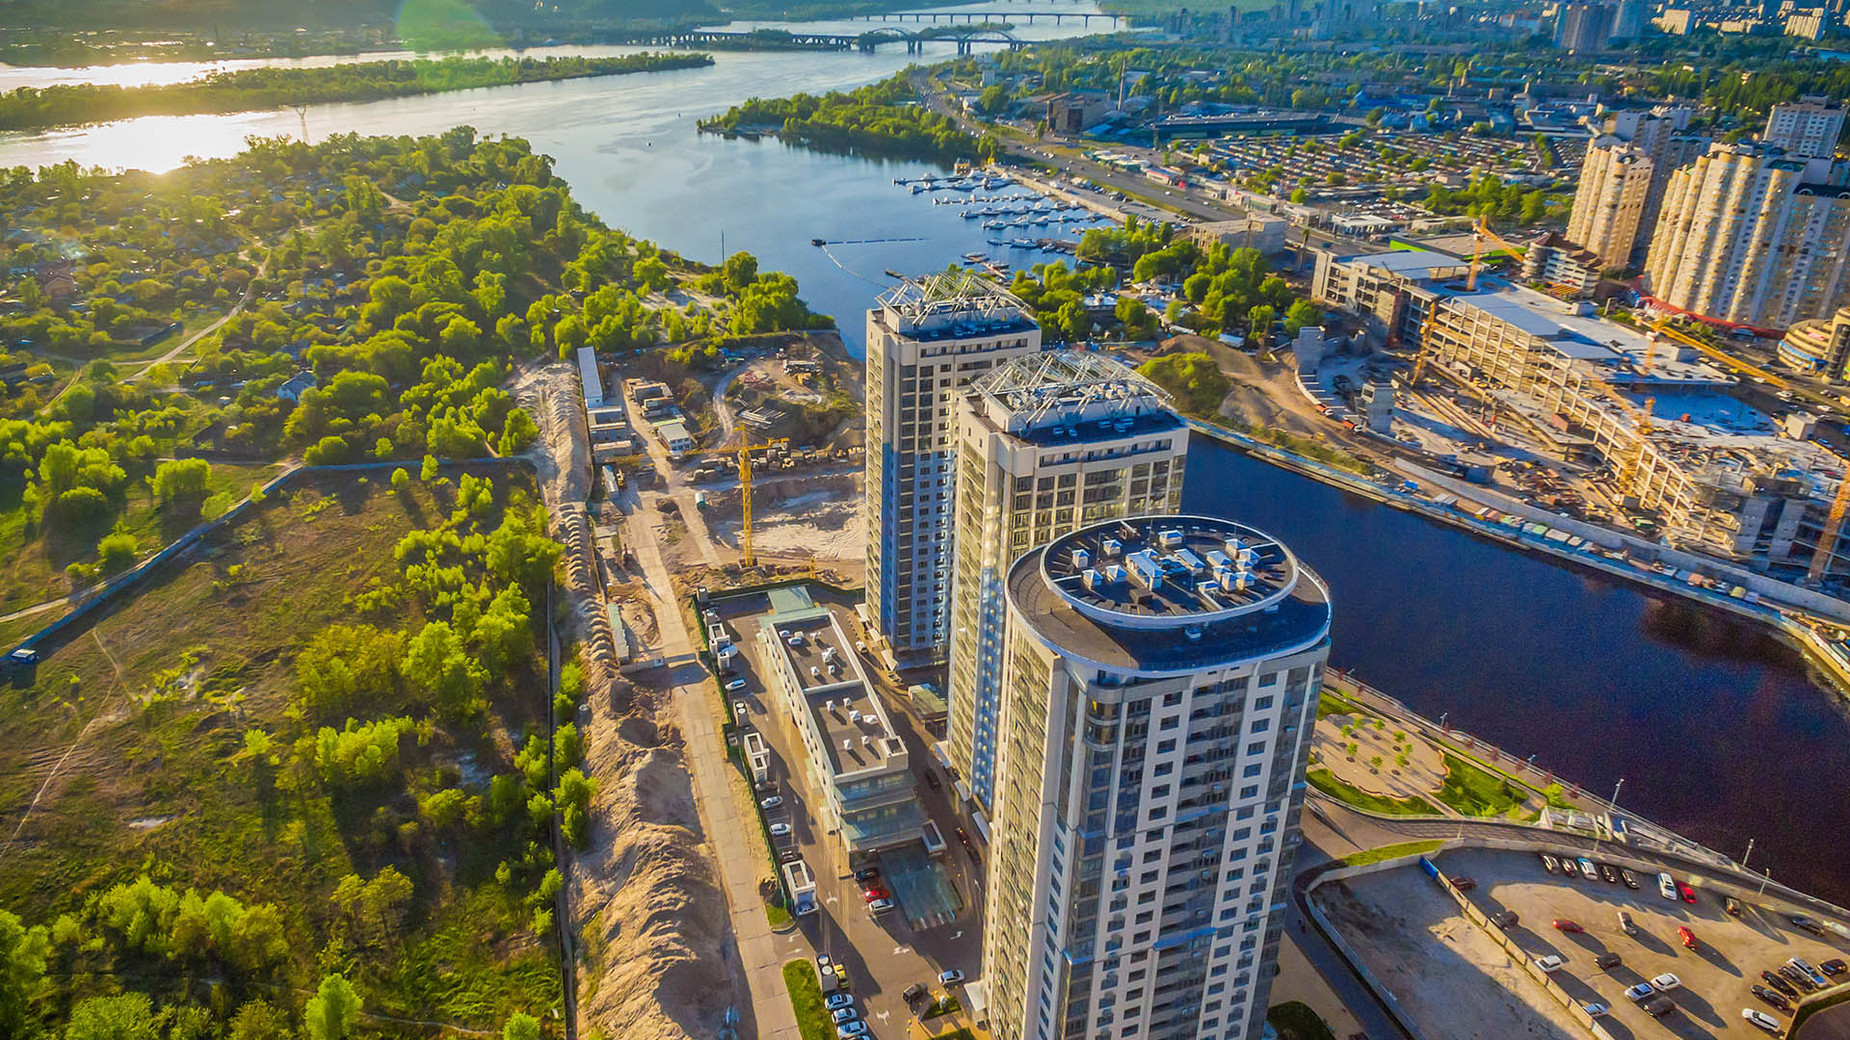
799,516
645,915
1448,976
1422,775
1262,394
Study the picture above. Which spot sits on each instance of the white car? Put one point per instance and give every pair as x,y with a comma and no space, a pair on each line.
1666,982
881,905
835,1001
1667,887
840,1015
1550,963
772,802
736,684
848,1029
1761,1019
780,830
950,977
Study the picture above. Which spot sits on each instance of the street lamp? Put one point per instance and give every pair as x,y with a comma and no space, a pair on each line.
1765,876
1615,793
1749,852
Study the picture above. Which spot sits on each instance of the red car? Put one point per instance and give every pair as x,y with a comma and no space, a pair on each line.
1689,939
874,892
1566,925
1688,893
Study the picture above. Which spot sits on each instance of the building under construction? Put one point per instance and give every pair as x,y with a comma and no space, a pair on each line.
1719,476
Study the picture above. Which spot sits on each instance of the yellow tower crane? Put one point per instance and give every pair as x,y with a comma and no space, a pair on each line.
748,558
1479,233
1833,524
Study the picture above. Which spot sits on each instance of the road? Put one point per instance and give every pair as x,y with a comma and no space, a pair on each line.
723,407
761,952
675,486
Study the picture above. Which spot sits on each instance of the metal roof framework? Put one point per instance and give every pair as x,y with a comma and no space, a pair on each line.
950,293
1064,384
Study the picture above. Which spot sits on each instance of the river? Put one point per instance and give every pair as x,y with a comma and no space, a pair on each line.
1717,728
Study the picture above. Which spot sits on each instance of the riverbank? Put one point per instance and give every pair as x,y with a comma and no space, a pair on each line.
252,89
1799,627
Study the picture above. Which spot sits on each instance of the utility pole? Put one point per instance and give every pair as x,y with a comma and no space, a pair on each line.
1615,793
1749,852
1765,876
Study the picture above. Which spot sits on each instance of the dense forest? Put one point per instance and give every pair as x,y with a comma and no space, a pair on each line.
887,116
34,108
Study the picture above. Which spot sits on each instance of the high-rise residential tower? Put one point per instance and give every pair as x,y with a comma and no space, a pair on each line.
1045,444
1806,128
1753,235
1623,179
926,340
1158,699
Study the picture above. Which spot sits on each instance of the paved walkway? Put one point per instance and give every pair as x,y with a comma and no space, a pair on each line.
761,952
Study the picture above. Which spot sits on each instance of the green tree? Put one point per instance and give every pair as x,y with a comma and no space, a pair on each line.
23,953
401,480
437,664
1194,379
521,1026
333,1011
126,1017
1259,324
259,1020
1301,314
182,484
117,552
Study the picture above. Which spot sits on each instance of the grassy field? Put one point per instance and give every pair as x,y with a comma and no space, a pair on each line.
1477,792
1387,852
1327,782
33,556
129,754
805,988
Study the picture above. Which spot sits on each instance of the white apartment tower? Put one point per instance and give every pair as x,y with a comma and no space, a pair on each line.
927,339
1158,697
1806,128
1754,236
1623,179
1045,444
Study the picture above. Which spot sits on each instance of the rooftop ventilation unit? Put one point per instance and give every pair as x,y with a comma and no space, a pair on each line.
1092,578
1115,573
1235,546
1169,539
1082,559
1206,589
829,706
854,717
1190,560
1233,581
1111,547
1218,560
848,744
1147,568
1193,632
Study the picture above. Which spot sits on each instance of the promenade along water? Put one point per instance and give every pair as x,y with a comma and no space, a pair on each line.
1716,727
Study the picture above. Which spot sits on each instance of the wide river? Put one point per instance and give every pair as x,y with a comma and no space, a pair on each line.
1718,730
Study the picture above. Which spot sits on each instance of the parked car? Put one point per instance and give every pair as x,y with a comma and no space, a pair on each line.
1779,983
789,855
1641,991
881,905
1660,1007
850,1029
914,992
1595,1009
950,977
1504,919
1810,925
772,802
1548,862
1834,967
1606,961
932,781
874,892
843,1014
1731,906
963,837
1688,937
1666,982
1587,869
1761,1019
1666,887
1464,884
1773,998
736,684
867,874
838,1000
780,830
1609,872
1807,970
1626,924
1630,879
1565,925
1688,893
1551,963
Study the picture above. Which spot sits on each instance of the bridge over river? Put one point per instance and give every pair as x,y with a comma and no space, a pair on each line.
966,36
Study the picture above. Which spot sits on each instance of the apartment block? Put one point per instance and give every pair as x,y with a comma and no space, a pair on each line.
927,340
1045,444
1807,128
1158,701
1752,236
1623,179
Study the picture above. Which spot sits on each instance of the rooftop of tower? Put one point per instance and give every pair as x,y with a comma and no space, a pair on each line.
1073,395
952,304
1169,593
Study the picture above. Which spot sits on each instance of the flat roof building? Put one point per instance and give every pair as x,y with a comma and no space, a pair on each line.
1157,709
589,379
856,761
1046,443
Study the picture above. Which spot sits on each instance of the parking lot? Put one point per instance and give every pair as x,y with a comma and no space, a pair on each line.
937,924
1716,978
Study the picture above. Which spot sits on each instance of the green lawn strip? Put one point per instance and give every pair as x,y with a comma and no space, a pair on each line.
806,999
1387,852
1333,703
1327,782
1294,1020
944,1005
1478,792
777,915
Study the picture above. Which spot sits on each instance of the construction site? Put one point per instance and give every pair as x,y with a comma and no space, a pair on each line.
1638,425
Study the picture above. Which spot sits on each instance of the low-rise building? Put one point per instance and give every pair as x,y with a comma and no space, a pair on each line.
589,379
674,437
860,773
1561,268
1819,346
